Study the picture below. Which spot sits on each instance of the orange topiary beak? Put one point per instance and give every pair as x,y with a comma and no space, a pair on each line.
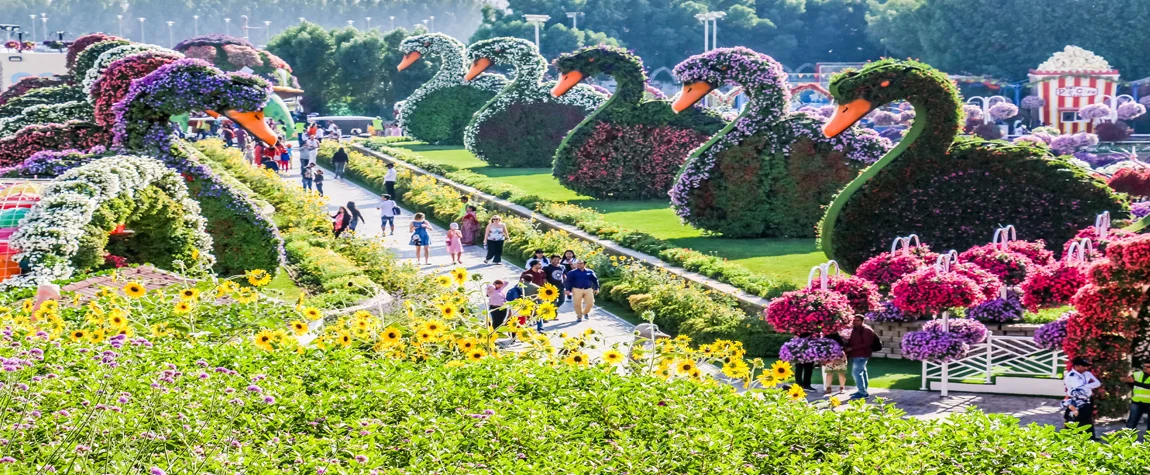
253,122
692,93
408,60
566,82
478,67
845,116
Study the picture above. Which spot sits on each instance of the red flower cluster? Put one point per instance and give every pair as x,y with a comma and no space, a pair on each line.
15,148
1009,266
930,291
29,83
1099,244
861,293
809,311
1034,250
113,85
1131,256
631,161
1134,181
1052,286
887,268
987,283
83,43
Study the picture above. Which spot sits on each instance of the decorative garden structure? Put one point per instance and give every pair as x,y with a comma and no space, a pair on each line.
769,172
440,109
1068,82
629,148
945,191
523,125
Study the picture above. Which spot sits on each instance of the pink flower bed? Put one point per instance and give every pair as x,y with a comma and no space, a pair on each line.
630,162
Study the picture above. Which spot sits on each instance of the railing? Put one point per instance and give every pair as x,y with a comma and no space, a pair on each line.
998,355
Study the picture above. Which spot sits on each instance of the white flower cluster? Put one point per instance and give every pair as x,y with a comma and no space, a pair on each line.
1074,59
450,52
526,87
115,54
50,234
46,114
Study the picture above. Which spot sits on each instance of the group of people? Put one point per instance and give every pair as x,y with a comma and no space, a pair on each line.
567,273
346,218
859,343
1080,383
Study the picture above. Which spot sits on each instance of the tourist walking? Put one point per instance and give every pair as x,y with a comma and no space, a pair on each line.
339,162
340,221
389,179
420,239
470,227
318,180
538,256
1140,399
496,304
556,274
494,236
1080,384
463,207
455,244
285,155
356,216
804,372
308,151
387,211
582,285
307,175
568,260
535,274
835,367
859,348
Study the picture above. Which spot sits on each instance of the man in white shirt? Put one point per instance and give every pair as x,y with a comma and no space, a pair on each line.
1080,385
387,208
310,147
389,179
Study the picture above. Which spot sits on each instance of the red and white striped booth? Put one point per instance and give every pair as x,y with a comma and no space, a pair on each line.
1065,92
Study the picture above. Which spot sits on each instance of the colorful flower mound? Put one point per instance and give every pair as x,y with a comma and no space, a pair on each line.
950,191
1052,286
772,171
811,350
42,96
997,309
53,163
935,347
887,268
109,88
14,149
1009,266
809,311
439,110
1098,244
861,293
630,148
931,292
970,331
1052,335
86,60
115,54
51,234
83,43
30,83
233,54
1132,181
1036,251
889,312
46,114
523,125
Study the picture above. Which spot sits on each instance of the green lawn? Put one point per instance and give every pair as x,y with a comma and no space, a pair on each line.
790,259
884,373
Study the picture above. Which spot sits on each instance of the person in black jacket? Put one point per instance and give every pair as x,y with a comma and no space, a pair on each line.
356,216
339,162
804,371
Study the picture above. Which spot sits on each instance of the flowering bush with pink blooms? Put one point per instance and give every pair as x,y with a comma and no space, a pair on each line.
114,83
861,293
970,331
886,268
1052,286
16,148
1009,266
930,291
629,162
809,311
82,43
230,53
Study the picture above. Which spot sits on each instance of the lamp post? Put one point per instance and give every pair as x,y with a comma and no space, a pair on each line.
196,25
424,24
245,28
537,20
44,25
267,32
704,17
141,29
432,23
574,16
33,17
392,22
228,26
302,19
350,23
171,37
368,22
715,17
120,24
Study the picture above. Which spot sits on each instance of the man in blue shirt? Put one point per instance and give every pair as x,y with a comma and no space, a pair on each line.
582,286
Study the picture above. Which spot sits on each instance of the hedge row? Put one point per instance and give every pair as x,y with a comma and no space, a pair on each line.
595,223
677,306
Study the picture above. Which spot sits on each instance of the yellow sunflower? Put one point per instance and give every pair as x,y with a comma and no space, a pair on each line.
767,380
466,344
547,311
796,392
126,331
226,287
576,359
459,274
264,340
685,366
160,330
299,327
246,296
97,335
183,307
737,369
27,306
117,320
259,277
344,339
443,281
523,334
189,294
135,290
835,401
612,356
548,293
390,336
449,311
476,355
312,313
782,371
434,326
424,336
49,305
78,335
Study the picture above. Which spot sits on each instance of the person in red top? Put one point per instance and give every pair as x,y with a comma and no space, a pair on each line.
859,348
535,273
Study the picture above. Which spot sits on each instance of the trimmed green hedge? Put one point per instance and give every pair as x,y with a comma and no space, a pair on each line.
443,114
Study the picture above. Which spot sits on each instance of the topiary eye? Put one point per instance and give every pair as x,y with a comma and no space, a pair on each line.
885,83
590,60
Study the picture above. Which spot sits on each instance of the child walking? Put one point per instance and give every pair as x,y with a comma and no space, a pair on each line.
455,244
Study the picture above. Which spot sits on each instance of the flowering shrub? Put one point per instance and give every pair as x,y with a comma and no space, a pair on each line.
1052,286
1052,335
1003,111
629,148
969,331
987,283
52,163
109,88
888,312
46,114
229,53
811,350
115,54
1095,111
14,149
439,110
523,125
1133,181
81,44
42,96
929,291
809,311
1009,266
31,83
804,169
934,346
86,59
52,234
997,309
887,268
1130,110
861,293
1033,102
948,191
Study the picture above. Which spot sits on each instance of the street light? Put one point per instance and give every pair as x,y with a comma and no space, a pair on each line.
392,23
368,22
704,17
267,32
302,19
228,26
537,20
424,24
196,24
432,23
715,17
33,17
141,29
350,23
44,30
171,37
245,27
574,16
120,24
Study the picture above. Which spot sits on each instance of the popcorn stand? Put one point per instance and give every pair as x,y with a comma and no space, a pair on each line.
1070,80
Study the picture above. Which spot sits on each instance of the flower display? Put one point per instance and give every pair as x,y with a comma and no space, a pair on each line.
1130,110
29,83
16,148
87,58
1069,143
887,268
42,96
53,163
1033,102
1074,59
1052,286
51,233
972,112
889,312
809,311
989,284
935,347
968,330
1008,265
861,293
81,44
883,118
523,125
1052,335
1140,209
811,350
113,85
1095,111
230,53
450,100
46,114
930,291
1133,181
998,309
1003,111
115,54
1036,251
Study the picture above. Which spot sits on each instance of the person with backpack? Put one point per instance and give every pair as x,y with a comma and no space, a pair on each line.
307,174
860,346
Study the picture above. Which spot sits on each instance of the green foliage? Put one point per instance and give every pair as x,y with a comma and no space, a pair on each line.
951,196
44,95
157,237
442,114
526,134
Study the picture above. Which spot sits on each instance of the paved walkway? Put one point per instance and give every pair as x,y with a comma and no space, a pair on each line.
614,330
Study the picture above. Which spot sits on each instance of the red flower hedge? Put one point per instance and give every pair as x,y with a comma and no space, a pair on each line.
630,161
1134,181
113,85
809,311
1052,286
15,148
930,291
29,83
989,284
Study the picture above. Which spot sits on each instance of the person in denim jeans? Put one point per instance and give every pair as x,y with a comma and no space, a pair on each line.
858,349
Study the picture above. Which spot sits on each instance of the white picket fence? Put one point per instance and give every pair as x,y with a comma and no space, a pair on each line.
1001,356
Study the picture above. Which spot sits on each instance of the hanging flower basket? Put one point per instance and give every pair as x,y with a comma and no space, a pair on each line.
1009,266
930,291
811,350
935,347
1052,286
809,311
889,312
861,293
970,331
1052,335
887,268
998,310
